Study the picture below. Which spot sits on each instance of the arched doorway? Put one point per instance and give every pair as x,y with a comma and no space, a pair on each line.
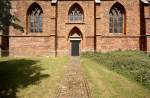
75,38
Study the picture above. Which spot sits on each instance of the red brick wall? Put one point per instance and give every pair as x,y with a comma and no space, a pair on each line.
56,24
33,44
148,43
147,19
64,26
108,41
30,46
147,25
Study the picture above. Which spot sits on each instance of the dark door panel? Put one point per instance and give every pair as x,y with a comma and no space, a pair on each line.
75,48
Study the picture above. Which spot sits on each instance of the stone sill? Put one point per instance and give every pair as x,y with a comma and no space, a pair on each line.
27,35
75,23
147,17
121,36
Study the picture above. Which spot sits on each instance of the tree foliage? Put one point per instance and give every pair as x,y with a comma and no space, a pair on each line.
6,18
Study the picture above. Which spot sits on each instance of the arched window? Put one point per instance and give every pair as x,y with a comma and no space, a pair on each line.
34,18
117,19
76,13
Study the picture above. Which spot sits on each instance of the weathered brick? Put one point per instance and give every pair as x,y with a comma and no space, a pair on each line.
95,28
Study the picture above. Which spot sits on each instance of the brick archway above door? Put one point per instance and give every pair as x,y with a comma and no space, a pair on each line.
75,37
75,34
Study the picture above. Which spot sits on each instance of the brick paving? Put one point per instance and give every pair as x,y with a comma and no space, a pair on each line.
74,84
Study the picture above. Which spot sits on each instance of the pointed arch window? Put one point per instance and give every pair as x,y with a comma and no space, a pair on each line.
76,13
117,19
34,18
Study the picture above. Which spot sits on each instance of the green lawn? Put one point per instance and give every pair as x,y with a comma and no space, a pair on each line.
114,75
31,77
110,75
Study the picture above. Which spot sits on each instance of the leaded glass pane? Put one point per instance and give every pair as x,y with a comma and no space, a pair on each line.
120,24
36,24
76,15
115,24
40,23
31,23
116,20
111,23
35,18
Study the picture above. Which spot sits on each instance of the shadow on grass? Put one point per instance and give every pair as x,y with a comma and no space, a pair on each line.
18,73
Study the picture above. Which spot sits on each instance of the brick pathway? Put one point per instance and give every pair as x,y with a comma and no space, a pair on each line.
74,85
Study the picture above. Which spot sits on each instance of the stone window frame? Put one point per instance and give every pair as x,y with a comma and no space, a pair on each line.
35,18
117,18
76,14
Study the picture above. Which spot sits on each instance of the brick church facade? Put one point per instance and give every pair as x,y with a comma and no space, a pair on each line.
70,27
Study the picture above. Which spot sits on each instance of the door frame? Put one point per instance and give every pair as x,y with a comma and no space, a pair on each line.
69,45
75,34
78,41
